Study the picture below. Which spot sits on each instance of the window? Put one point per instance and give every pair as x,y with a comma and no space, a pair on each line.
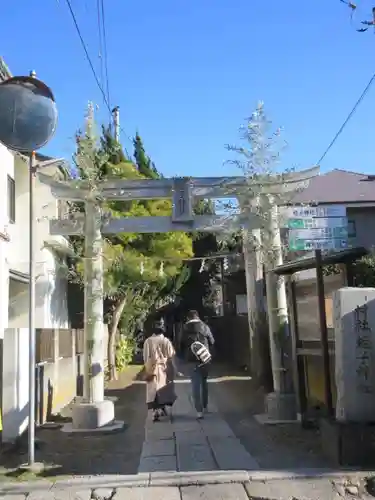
11,200
352,231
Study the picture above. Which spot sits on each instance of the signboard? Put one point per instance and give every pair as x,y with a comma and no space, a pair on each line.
304,212
315,244
318,233
320,227
321,222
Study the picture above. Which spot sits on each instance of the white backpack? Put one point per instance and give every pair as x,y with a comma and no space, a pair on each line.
201,352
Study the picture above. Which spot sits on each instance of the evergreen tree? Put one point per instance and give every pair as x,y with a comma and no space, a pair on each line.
109,144
144,165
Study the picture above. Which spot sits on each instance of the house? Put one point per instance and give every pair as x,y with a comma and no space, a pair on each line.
51,282
356,192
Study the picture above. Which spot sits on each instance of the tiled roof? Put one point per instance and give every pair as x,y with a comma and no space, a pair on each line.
339,186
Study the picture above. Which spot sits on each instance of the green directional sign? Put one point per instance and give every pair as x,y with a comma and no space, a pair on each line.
311,228
296,245
296,223
317,233
315,223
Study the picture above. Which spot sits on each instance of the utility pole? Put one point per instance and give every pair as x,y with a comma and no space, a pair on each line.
116,123
32,358
32,333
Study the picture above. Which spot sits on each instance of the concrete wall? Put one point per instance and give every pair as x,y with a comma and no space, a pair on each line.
57,380
56,386
15,398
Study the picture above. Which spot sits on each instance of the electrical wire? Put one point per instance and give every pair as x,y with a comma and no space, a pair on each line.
101,52
84,46
83,43
348,118
104,33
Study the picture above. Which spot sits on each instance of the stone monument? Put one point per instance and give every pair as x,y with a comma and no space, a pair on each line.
354,325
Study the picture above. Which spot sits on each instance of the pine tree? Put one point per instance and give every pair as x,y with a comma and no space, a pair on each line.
144,165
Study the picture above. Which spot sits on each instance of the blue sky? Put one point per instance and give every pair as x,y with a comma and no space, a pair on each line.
187,72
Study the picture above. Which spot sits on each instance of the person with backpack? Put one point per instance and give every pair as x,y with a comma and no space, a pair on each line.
197,340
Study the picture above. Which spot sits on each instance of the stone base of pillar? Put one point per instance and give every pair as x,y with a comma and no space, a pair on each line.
279,408
93,417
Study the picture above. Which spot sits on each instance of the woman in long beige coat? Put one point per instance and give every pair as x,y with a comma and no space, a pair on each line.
160,370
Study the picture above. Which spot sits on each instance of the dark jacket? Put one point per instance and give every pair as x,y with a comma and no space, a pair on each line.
195,329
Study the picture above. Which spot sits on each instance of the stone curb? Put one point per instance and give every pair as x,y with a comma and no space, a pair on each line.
197,478
176,479
267,475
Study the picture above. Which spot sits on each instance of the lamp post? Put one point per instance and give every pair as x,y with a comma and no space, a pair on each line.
28,119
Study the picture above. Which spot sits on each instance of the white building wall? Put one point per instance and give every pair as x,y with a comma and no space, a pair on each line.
15,383
51,288
7,168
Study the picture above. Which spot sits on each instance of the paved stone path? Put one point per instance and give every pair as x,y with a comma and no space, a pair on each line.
182,443
186,459
256,485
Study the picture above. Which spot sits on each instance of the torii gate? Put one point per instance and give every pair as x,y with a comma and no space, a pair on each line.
95,412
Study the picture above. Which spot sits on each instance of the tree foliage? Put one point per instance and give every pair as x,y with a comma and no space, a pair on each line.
144,165
258,158
139,269
364,271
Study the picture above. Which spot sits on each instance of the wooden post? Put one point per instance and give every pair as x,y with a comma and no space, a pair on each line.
74,354
223,294
323,332
56,357
298,365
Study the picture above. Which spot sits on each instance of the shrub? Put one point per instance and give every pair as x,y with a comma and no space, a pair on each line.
124,352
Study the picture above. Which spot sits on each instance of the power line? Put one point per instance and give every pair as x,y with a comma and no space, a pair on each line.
83,43
104,32
99,24
348,118
88,55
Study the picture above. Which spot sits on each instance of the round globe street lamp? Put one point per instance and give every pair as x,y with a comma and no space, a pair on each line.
28,114
28,118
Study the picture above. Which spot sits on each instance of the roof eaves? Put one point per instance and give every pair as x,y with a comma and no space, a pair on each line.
362,174
337,257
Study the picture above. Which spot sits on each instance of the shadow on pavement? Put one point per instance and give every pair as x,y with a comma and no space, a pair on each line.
91,454
275,447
